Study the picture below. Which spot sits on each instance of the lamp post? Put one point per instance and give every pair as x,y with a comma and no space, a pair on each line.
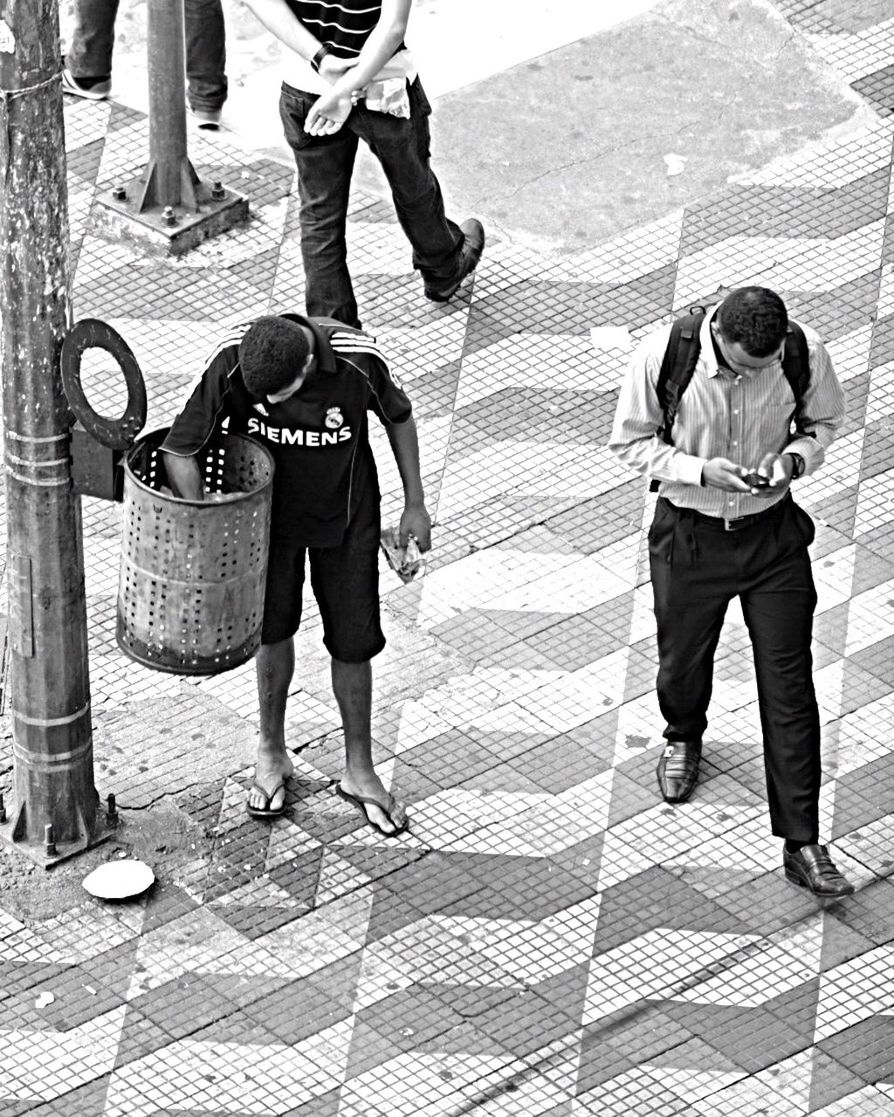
169,178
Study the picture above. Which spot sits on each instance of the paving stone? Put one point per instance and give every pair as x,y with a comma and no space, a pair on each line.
651,900
866,1049
141,1037
750,1038
89,1098
870,913
831,1082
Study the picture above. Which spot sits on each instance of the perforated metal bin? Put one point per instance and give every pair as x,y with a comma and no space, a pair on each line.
191,581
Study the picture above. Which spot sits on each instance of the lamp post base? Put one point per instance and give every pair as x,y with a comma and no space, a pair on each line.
169,230
49,852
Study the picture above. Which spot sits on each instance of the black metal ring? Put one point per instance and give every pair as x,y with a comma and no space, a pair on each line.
91,333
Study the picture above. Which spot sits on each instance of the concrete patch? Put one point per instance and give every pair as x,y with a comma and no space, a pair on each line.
628,124
144,751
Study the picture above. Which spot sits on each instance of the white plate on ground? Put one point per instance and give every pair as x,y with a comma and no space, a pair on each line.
119,880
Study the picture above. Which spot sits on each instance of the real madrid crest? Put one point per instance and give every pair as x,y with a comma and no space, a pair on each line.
334,418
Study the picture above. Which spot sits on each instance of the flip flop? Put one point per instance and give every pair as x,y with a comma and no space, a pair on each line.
267,811
387,808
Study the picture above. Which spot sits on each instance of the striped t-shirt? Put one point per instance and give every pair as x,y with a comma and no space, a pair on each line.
344,27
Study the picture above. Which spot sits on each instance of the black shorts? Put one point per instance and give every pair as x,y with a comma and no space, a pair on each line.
345,583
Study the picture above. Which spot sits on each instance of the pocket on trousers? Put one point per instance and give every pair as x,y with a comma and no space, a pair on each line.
661,537
293,109
419,103
805,524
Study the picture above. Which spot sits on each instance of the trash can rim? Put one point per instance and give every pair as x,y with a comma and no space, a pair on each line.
162,431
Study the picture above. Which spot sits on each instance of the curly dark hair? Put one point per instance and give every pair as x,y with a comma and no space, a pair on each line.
755,318
272,353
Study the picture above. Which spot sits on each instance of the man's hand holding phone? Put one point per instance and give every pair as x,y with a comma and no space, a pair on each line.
773,475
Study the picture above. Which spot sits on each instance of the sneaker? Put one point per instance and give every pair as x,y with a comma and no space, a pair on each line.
473,246
206,119
93,89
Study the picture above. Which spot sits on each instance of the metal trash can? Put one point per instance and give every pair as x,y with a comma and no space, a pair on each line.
192,575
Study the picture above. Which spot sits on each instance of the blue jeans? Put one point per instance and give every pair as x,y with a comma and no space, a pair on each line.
325,164
90,54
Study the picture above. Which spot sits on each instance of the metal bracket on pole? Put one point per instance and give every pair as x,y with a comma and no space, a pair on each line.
150,192
99,443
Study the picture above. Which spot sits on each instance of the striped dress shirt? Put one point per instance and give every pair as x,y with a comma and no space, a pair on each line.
740,416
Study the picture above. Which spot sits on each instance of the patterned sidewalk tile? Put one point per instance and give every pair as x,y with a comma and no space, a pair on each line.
549,937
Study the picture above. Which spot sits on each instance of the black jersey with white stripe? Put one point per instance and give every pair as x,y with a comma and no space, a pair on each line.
344,27
318,437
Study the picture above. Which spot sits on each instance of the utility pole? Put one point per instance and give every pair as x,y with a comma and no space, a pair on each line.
54,810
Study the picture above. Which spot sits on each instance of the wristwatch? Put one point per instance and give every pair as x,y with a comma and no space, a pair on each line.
798,464
318,58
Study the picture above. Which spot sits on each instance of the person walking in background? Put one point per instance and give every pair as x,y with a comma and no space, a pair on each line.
726,526
88,64
350,77
303,388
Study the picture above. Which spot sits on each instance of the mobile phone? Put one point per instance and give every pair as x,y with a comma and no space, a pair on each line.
756,481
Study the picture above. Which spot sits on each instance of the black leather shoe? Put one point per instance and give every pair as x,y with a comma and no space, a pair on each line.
812,868
678,770
473,246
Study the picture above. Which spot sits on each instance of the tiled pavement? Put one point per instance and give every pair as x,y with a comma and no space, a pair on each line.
550,939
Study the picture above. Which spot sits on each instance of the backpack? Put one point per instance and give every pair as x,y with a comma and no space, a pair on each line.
681,356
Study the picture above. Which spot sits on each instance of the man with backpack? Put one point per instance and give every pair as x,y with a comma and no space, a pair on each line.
725,410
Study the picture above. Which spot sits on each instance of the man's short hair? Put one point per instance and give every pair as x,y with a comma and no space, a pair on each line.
272,354
755,318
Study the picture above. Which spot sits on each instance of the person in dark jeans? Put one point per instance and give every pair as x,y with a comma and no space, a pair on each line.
88,64
351,78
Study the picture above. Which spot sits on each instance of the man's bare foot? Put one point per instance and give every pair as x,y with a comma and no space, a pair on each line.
272,768
365,786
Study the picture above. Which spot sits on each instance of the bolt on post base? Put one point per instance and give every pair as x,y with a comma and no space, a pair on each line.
17,835
168,230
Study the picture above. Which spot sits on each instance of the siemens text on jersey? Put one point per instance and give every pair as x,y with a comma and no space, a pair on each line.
288,437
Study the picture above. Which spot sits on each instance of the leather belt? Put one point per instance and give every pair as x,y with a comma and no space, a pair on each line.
723,523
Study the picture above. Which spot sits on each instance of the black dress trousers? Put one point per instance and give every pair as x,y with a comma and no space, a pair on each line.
697,567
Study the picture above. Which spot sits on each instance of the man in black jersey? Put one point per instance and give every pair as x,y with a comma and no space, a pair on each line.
349,77
303,387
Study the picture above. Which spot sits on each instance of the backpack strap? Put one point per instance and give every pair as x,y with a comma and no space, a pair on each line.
677,366
796,366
